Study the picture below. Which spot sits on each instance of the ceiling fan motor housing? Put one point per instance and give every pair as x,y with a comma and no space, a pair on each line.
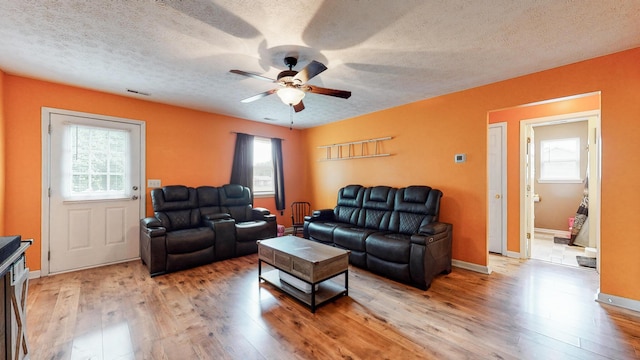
287,76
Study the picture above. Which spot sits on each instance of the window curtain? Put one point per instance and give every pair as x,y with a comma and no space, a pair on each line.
278,173
242,169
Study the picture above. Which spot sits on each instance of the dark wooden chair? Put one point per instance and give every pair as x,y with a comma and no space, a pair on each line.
299,210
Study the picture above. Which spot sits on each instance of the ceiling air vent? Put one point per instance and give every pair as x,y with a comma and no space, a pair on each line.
138,92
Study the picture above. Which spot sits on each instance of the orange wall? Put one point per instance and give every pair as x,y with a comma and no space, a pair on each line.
428,133
182,147
513,116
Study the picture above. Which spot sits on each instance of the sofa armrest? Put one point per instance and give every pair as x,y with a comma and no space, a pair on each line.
218,216
259,213
151,222
320,215
429,234
433,228
152,227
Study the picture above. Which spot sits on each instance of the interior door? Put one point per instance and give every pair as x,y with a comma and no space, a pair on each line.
496,200
94,194
529,189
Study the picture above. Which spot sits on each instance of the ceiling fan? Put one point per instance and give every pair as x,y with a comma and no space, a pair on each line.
293,84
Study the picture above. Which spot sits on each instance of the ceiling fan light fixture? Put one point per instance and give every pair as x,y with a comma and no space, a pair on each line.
290,95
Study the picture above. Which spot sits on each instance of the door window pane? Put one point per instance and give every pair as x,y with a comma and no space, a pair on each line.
95,162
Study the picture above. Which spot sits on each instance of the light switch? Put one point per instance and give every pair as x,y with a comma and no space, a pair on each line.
154,183
460,158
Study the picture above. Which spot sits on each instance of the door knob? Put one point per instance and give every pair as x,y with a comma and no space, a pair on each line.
497,196
134,197
135,187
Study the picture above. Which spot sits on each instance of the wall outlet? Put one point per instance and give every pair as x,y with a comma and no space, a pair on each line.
154,183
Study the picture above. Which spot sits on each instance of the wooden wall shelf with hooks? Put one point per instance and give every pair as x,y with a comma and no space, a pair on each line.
352,152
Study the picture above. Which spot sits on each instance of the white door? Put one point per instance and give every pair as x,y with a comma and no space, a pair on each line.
497,193
94,196
594,144
529,190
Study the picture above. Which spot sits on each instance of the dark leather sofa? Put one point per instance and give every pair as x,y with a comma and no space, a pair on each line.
197,226
389,231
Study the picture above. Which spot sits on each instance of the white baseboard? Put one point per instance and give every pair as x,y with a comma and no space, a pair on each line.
553,232
513,254
618,301
470,266
34,274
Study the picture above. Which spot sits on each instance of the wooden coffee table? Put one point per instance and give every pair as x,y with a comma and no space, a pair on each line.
311,262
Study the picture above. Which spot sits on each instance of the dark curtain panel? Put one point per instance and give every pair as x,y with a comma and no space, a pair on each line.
278,172
242,170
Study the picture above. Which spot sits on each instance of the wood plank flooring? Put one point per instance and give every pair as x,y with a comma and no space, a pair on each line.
524,310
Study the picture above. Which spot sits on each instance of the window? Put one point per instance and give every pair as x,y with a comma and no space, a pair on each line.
95,163
262,167
560,160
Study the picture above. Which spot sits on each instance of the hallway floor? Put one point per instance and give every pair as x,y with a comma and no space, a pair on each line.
543,248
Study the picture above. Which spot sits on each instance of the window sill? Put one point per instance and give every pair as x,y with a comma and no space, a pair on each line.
557,181
263,195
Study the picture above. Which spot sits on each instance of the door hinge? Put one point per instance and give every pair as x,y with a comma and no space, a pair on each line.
49,130
528,235
49,192
49,256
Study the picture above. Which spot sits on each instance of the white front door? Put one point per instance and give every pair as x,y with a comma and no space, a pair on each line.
94,196
497,192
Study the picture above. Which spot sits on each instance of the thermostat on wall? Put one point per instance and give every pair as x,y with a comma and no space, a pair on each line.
459,158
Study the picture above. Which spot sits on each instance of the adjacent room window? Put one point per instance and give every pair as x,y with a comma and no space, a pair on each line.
560,160
263,183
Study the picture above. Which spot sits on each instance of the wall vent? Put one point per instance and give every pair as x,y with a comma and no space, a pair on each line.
138,92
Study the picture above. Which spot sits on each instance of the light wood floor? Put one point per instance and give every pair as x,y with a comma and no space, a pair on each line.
527,310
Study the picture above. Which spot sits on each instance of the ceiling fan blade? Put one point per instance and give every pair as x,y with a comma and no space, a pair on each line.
259,96
312,69
331,92
252,75
299,106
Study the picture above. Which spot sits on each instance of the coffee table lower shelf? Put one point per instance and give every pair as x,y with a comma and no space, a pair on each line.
327,290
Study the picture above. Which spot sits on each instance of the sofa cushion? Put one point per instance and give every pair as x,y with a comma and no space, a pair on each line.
323,231
208,200
396,271
351,238
377,205
236,200
189,240
174,197
254,230
349,204
389,246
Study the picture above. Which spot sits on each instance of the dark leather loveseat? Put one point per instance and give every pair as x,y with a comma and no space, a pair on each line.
197,226
389,231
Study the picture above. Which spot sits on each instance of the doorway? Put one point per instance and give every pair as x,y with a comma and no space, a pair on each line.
585,172
93,195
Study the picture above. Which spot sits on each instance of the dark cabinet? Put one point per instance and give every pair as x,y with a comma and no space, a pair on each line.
14,280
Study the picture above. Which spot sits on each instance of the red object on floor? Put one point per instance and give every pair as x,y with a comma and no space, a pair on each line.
280,230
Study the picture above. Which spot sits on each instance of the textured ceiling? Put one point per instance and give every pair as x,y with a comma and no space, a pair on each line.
387,53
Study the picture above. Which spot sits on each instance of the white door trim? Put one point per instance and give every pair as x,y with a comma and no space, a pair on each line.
593,117
46,166
503,187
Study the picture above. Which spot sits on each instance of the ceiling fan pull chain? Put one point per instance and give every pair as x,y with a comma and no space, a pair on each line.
291,116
